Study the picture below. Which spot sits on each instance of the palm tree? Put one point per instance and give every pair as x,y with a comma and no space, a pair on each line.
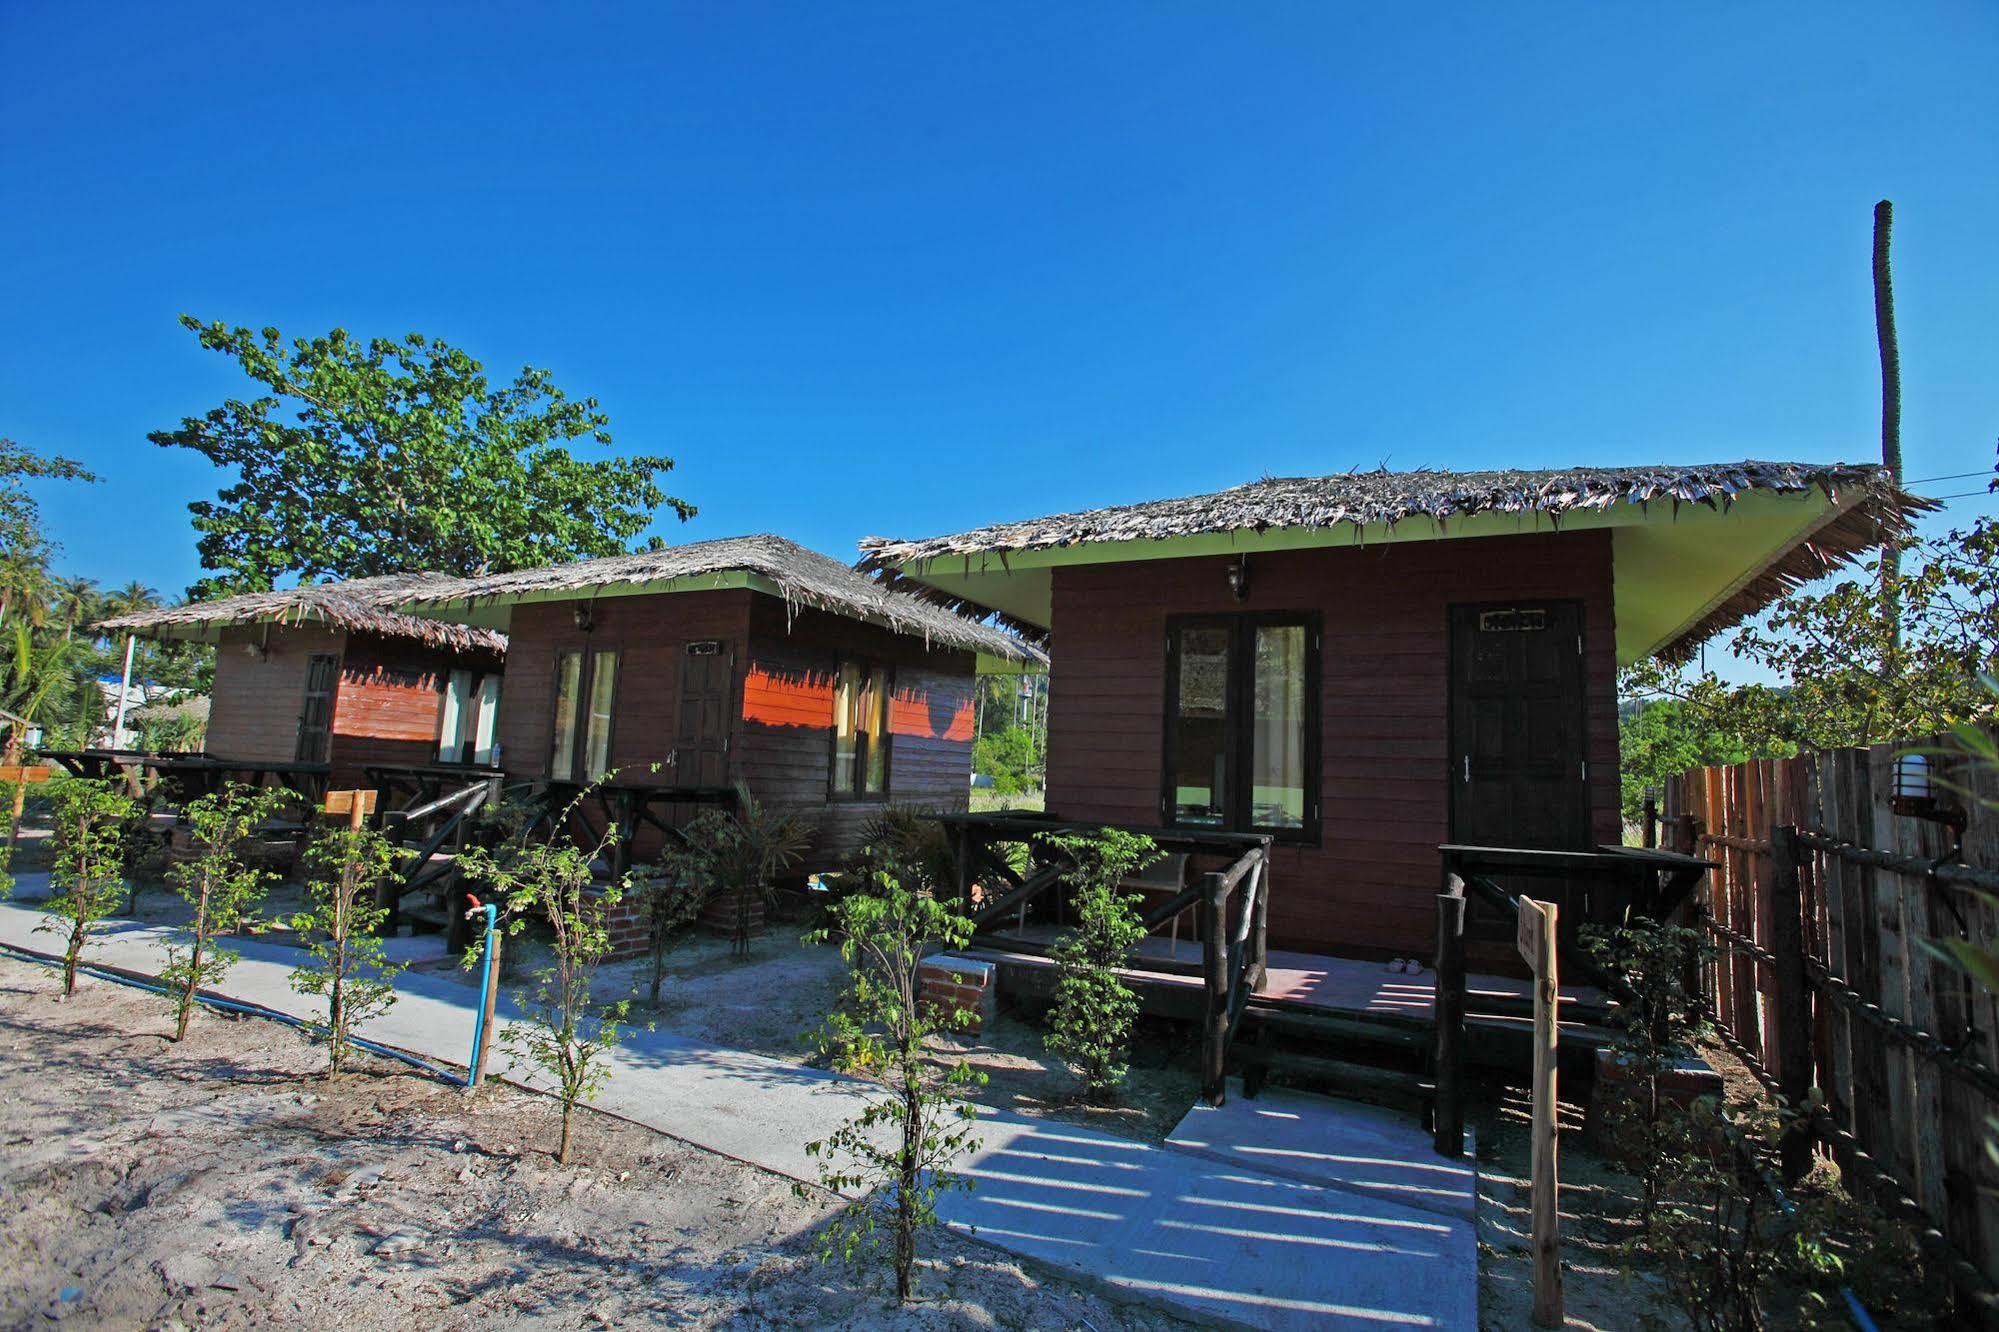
24,584
75,602
130,599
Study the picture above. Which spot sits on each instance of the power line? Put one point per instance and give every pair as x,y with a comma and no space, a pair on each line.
1954,476
1962,494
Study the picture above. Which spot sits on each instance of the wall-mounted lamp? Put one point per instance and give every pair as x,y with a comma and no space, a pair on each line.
585,616
1239,577
257,650
1915,795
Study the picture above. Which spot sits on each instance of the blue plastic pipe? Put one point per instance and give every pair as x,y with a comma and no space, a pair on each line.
485,980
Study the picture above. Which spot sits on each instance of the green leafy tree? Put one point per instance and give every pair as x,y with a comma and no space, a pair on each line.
74,603
25,548
1090,1022
386,456
1665,738
91,820
1861,661
568,1030
347,966
899,1149
220,885
1010,757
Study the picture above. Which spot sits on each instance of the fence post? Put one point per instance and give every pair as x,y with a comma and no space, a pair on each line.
1447,1120
1214,971
1793,1017
1651,823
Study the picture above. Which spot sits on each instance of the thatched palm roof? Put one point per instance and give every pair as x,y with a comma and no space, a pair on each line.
358,605
1868,508
801,577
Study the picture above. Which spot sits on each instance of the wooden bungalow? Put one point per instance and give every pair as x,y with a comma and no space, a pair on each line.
330,681
1363,667
687,670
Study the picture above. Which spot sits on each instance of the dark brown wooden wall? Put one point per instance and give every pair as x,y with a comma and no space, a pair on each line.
255,704
1370,883
391,702
788,714
385,709
781,745
650,634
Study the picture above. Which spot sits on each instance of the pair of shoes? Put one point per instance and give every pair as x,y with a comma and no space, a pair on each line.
1406,966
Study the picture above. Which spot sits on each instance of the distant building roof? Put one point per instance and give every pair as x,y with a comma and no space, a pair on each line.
363,605
783,568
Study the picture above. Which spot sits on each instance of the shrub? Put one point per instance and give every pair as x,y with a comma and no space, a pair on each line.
1658,1020
1090,1022
566,1032
348,964
737,854
901,1146
219,885
91,842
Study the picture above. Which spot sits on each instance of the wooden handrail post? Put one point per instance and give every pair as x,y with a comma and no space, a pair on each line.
1259,933
1793,1018
1214,972
1447,1120
1651,823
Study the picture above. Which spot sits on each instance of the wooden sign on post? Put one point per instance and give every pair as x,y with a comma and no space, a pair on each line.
356,805
1535,938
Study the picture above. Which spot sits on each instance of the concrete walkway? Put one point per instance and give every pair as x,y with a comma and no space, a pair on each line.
1199,1228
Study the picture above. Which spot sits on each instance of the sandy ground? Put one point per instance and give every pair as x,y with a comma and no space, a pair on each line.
769,1002
226,1183
1598,1293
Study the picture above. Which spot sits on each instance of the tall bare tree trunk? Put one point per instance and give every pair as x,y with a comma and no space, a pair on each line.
1891,422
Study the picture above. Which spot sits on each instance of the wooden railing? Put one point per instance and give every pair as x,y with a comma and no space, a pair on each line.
1230,897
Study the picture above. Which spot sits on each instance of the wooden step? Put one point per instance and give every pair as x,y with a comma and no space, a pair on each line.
1262,1066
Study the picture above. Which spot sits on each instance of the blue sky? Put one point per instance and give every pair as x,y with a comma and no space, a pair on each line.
867,269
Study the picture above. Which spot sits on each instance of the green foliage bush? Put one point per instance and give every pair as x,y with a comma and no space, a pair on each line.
1091,1020
1010,757
347,964
900,1148
567,1030
220,886
92,821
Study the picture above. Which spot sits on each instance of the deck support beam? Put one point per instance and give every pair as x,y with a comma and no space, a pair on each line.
1215,977
1447,1118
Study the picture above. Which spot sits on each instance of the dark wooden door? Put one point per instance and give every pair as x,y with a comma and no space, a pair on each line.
703,715
1517,747
315,718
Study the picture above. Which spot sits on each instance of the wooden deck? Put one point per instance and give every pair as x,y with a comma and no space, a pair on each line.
1311,982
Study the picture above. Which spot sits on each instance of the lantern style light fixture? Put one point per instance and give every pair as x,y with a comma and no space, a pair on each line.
584,615
1239,577
1916,794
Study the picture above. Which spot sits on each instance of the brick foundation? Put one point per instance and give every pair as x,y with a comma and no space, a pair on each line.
1687,1081
953,983
630,932
719,915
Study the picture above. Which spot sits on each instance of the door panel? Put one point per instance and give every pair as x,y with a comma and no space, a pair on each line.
1517,775
315,718
703,715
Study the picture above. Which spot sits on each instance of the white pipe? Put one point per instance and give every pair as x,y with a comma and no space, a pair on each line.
124,692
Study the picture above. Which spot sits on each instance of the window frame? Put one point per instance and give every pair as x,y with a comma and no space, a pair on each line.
835,793
1240,691
579,719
